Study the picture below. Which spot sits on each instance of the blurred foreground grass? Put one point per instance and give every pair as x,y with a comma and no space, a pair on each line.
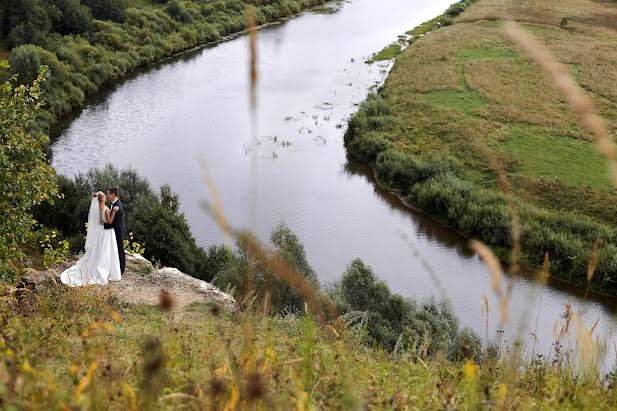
81,349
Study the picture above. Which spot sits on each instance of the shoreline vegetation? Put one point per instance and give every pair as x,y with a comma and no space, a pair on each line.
426,135
93,44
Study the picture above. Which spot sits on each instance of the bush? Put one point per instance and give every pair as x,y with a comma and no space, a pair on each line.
178,11
456,9
27,21
246,274
166,236
446,21
25,62
75,17
397,322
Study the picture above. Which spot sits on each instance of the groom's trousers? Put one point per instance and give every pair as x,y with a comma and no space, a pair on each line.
120,241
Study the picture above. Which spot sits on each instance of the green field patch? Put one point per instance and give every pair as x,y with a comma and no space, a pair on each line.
466,101
535,30
576,163
492,24
389,52
425,27
486,54
576,72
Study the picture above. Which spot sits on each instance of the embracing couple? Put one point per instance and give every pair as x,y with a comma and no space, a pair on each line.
104,258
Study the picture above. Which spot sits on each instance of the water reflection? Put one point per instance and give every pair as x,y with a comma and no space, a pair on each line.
424,225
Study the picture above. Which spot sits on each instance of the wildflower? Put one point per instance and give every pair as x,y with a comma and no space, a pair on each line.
470,369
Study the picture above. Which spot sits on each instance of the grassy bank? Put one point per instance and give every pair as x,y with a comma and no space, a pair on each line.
79,348
89,46
464,90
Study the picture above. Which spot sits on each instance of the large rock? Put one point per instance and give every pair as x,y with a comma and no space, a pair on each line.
137,262
39,280
184,289
141,283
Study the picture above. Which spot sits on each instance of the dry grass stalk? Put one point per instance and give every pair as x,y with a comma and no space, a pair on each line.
166,300
252,29
580,105
593,260
545,269
285,272
218,204
504,184
269,259
492,262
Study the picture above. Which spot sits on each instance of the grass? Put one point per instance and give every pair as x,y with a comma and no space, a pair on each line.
466,101
485,54
425,27
573,162
388,53
465,86
79,348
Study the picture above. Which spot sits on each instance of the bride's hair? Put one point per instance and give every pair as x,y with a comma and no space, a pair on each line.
99,194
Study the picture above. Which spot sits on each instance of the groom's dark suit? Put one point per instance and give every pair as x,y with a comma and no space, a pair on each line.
118,226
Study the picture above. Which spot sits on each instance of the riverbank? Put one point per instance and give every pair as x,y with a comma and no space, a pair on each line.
102,52
465,89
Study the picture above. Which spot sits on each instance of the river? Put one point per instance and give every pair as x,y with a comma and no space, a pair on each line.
288,162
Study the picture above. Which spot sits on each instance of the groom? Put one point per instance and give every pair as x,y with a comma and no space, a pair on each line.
117,224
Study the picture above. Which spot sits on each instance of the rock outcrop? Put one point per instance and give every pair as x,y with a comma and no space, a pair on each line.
142,283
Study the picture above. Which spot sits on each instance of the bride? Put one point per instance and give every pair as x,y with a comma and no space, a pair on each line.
100,263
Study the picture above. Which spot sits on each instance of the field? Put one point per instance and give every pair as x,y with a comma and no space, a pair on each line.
468,85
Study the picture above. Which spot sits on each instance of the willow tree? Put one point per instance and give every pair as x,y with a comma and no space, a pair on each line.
26,178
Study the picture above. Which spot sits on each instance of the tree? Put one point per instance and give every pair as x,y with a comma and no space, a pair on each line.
114,10
26,178
75,17
166,235
27,21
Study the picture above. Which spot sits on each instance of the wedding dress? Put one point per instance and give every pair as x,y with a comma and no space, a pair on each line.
100,264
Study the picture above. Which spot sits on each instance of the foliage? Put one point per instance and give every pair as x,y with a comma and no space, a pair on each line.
563,23
166,236
446,21
132,246
431,184
246,274
89,44
52,255
26,179
401,323
114,10
25,62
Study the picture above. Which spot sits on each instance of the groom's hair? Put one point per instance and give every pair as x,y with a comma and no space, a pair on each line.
114,191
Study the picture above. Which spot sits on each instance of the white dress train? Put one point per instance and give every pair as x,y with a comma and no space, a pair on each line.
100,264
